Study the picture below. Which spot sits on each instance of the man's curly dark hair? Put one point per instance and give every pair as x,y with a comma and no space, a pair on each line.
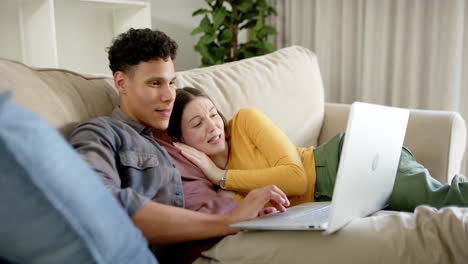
137,45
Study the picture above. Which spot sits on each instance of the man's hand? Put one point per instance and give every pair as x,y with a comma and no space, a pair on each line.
180,224
202,161
253,204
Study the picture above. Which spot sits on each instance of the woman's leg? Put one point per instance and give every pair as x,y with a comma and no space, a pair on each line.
414,186
327,158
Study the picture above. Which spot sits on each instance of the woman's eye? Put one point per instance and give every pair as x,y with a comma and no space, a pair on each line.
214,115
197,125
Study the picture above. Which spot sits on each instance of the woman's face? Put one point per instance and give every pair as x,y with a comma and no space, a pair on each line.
202,127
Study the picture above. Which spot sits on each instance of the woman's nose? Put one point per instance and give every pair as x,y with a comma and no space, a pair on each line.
211,125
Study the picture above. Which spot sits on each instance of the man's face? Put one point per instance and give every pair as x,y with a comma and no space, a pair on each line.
147,95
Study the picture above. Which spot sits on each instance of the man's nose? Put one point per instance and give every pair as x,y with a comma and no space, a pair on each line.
167,93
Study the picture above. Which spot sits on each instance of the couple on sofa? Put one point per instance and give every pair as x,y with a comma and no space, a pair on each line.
126,152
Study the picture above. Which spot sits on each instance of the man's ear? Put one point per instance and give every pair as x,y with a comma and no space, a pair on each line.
120,82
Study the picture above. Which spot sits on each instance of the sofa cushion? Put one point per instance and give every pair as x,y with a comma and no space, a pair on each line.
62,97
286,85
427,236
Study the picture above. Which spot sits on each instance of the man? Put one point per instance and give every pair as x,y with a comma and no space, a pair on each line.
138,170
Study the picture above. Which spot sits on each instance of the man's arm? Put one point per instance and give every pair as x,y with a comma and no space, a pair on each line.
163,224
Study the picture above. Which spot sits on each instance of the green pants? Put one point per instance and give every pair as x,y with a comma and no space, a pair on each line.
413,184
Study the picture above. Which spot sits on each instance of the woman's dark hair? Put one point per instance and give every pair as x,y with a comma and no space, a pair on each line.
183,97
137,45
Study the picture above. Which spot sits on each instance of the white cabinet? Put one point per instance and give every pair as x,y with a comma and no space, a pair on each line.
70,34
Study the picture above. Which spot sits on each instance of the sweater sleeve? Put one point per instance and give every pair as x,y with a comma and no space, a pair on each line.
284,169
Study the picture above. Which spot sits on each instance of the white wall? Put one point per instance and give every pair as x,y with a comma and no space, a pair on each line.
175,19
10,43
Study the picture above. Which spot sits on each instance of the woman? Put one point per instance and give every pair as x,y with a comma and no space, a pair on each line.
250,152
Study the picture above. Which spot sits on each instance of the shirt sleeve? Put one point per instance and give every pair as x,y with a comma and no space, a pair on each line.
98,145
285,167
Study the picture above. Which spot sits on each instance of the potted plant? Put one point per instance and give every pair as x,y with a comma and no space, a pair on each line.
221,24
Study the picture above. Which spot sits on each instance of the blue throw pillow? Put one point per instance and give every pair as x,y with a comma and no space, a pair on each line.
53,208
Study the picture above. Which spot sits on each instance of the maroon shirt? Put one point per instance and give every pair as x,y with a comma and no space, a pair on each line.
199,194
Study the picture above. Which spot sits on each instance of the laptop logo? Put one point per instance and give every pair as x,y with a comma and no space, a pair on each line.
375,162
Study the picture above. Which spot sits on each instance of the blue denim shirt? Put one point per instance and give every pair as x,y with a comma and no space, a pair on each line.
129,161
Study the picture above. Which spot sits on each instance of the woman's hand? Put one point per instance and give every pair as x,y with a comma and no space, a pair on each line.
225,193
202,161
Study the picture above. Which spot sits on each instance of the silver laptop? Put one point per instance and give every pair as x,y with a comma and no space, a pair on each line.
366,174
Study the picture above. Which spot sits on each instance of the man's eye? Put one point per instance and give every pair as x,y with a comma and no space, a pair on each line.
214,115
154,83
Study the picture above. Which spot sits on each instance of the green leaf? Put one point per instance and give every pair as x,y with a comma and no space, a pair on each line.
205,26
207,59
259,23
205,23
247,54
248,16
268,47
209,1
244,6
272,10
200,12
218,17
265,31
196,31
206,62
207,39
262,3
249,24
225,36
220,54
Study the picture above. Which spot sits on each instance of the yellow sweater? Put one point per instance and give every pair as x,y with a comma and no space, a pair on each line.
261,154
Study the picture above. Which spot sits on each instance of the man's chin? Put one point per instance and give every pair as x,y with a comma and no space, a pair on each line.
161,125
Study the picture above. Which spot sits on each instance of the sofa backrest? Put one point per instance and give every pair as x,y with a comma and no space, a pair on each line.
286,85
62,97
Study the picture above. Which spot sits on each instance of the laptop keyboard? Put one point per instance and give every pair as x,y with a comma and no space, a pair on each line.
316,215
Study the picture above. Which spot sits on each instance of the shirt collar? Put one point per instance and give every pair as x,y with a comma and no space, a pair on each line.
121,116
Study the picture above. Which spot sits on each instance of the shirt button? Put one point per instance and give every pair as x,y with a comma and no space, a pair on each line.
177,193
173,165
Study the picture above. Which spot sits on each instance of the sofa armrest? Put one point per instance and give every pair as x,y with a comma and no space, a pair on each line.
436,138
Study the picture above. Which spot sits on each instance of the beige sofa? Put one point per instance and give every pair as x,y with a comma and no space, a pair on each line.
286,85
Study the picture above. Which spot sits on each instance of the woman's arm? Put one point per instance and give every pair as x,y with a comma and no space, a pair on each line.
285,166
